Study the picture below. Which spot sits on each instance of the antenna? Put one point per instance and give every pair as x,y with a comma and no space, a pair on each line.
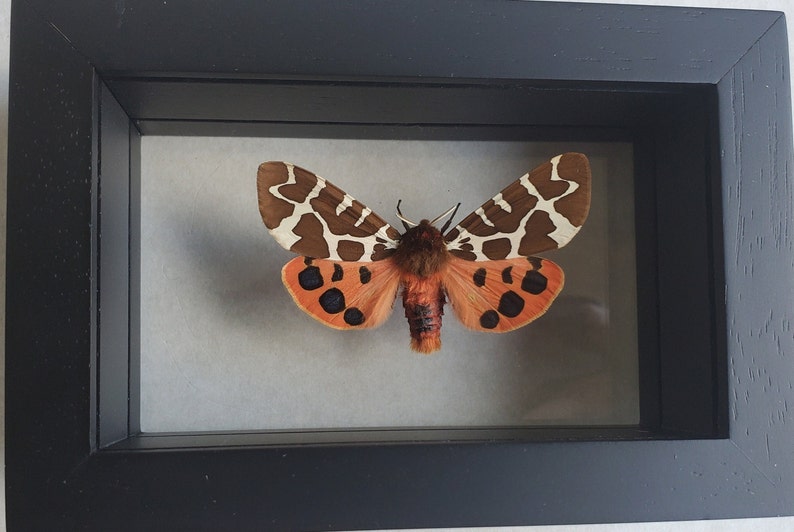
406,222
451,213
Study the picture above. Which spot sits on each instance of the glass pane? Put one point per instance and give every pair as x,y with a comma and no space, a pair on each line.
225,348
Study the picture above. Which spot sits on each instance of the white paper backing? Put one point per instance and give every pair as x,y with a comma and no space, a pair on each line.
224,347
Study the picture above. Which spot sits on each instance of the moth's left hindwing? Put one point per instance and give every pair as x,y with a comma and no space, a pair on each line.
312,217
343,295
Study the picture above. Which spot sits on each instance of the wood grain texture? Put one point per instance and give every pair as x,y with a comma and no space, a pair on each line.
449,39
758,198
51,290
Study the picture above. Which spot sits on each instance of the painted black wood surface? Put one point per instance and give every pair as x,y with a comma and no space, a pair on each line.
704,96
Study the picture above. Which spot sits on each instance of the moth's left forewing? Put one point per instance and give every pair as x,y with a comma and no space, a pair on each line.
310,216
542,210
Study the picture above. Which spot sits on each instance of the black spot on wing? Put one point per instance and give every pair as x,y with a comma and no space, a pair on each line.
489,319
364,274
332,301
310,278
338,273
479,277
534,282
507,275
510,304
535,262
354,316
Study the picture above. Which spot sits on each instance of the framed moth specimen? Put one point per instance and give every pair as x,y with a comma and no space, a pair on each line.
354,262
702,95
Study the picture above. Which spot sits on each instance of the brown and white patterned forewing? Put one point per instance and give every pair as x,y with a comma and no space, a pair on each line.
542,210
312,217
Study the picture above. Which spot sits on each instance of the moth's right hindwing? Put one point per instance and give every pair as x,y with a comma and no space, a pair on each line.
501,295
310,216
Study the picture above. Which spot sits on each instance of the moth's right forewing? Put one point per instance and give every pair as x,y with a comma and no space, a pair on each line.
542,210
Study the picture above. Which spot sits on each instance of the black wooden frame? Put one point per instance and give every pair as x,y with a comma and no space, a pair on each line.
704,96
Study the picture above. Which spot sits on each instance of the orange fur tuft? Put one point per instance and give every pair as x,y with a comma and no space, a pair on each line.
426,344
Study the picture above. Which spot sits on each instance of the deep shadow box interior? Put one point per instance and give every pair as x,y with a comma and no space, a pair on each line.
698,103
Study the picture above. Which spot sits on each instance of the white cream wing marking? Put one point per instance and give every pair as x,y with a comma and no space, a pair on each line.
346,202
284,233
564,229
499,200
481,213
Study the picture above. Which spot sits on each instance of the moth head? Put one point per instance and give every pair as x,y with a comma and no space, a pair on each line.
451,213
408,224
426,234
422,250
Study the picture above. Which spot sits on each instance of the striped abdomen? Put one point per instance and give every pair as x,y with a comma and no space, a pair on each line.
423,299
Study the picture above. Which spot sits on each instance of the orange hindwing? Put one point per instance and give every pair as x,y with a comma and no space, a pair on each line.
501,295
343,295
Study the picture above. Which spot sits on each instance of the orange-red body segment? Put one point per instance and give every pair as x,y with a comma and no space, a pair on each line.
423,299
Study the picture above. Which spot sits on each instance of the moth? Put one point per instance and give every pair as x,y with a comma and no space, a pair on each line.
353,263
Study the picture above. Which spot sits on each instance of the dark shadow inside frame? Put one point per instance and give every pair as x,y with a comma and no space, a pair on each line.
682,376
703,95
